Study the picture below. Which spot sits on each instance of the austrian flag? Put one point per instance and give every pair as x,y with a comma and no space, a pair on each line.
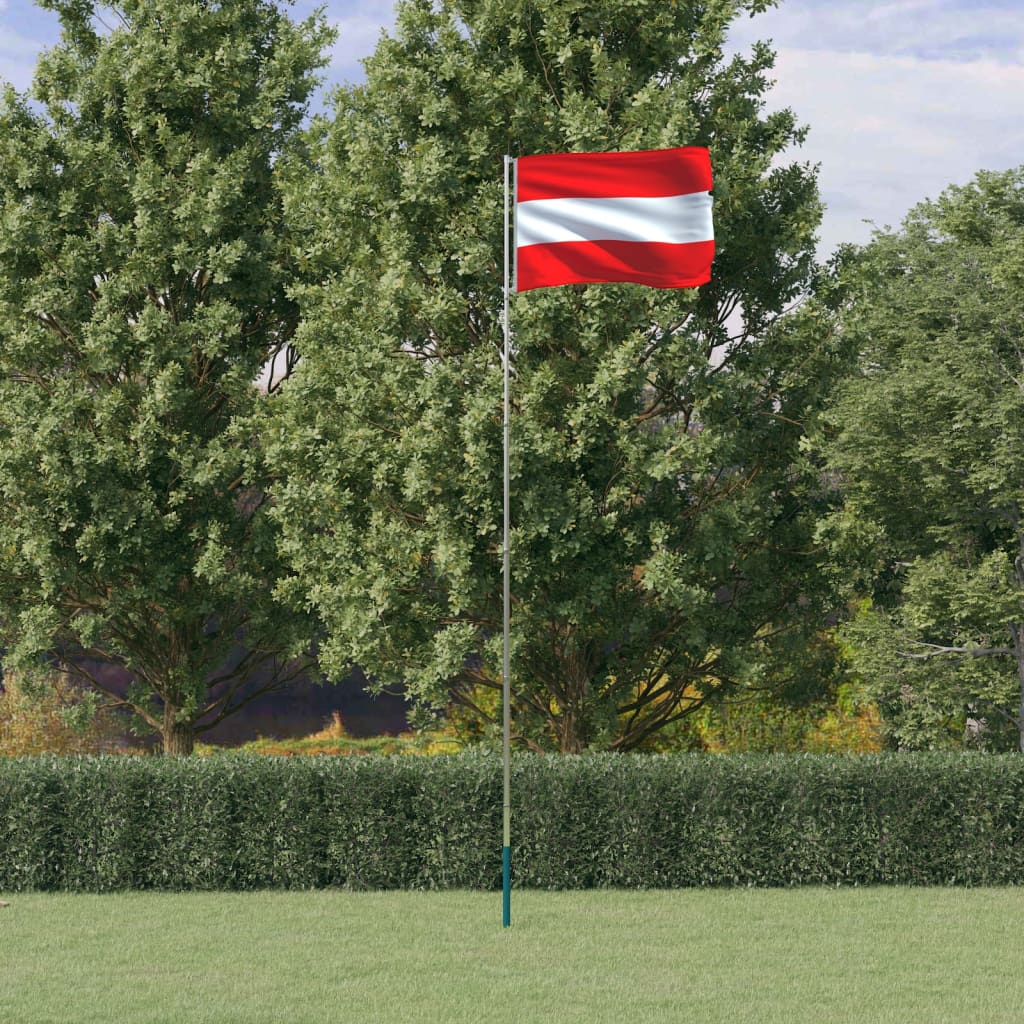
642,217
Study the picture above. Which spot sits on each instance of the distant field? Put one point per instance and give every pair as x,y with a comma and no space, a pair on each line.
862,956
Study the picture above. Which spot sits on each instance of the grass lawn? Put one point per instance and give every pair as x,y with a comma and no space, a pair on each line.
862,956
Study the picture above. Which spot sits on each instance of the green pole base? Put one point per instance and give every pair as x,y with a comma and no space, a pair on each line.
506,886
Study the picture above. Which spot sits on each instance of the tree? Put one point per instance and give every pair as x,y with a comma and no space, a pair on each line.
143,285
662,508
928,439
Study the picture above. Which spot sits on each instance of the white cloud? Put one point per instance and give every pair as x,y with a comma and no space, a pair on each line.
964,30
358,30
25,31
358,34
902,98
890,132
17,57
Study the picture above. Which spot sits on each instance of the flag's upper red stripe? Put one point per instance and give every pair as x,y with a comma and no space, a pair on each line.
652,172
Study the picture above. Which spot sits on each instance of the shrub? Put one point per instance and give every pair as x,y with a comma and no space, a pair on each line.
244,822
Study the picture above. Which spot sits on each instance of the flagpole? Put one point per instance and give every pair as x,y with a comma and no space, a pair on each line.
506,804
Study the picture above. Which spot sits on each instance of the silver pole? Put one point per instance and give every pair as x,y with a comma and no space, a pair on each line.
506,744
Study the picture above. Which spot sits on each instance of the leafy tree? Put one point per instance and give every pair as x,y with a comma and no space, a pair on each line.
662,509
928,440
142,288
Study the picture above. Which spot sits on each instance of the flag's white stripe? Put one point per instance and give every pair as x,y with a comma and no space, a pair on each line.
672,219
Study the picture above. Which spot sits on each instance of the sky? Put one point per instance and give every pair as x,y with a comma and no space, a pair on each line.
902,98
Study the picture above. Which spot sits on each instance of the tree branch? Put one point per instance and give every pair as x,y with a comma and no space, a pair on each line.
939,650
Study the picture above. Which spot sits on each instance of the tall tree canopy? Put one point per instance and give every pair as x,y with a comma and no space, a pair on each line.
143,285
928,441
661,506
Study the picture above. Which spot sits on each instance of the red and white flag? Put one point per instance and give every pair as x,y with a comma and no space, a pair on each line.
642,217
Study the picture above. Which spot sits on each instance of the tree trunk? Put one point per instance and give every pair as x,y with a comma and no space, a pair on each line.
1017,631
975,728
569,739
1018,646
179,737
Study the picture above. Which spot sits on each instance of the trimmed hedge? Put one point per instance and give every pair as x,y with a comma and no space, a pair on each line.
235,822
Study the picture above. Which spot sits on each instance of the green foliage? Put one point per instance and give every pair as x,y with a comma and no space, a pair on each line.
51,716
927,438
662,506
235,822
334,740
764,723
143,278
822,709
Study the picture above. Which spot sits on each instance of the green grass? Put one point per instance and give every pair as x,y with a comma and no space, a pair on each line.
816,955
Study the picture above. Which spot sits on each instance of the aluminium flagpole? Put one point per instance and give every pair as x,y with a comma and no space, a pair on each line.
506,805
660,236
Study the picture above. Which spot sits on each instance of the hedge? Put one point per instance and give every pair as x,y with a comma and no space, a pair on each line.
235,822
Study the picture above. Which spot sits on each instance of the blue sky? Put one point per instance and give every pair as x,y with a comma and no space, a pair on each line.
902,97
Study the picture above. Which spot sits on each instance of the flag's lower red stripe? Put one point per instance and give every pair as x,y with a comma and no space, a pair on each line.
656,264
